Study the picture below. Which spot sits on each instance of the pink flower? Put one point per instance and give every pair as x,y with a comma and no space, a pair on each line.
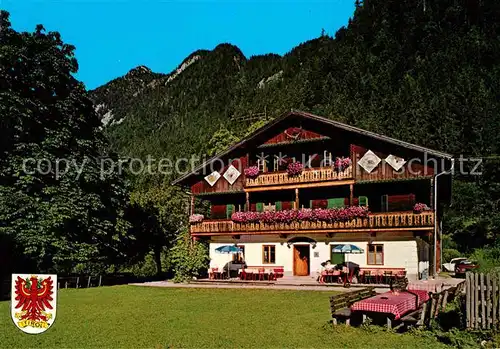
196,218
294,168
341,164
419,207
251,172
304,215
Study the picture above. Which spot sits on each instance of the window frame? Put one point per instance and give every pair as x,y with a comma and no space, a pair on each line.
327,158
276,165
368,253
264,247
261,165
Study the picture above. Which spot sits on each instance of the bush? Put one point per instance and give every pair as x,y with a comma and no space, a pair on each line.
449,254
188,258
488,258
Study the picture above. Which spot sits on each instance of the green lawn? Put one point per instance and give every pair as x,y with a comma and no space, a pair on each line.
131,316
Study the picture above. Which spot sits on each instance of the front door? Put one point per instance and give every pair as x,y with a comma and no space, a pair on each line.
301,260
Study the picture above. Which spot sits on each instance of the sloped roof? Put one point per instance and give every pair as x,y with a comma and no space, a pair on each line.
320,119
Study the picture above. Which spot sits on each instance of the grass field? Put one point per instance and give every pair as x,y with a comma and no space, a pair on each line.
140,317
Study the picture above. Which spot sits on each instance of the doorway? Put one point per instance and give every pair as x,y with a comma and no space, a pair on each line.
301,260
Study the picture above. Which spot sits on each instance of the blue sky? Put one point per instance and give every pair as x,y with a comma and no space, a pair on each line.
114,36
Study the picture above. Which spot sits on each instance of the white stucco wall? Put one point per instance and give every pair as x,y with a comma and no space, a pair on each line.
397,254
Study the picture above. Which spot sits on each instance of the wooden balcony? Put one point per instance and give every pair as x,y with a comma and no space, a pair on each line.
314,175
390,221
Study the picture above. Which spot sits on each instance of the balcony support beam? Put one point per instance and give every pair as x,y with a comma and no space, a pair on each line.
191,208
296,198
351,197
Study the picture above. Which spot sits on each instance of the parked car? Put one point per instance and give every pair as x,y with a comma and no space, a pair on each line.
463,266
451,265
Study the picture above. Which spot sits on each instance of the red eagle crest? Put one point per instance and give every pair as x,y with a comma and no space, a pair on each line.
34,296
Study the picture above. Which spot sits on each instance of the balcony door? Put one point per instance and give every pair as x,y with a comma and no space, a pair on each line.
301,260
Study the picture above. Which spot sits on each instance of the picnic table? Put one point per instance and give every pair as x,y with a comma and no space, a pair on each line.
393,305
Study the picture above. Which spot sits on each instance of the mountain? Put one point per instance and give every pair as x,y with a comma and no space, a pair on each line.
427,72
424,72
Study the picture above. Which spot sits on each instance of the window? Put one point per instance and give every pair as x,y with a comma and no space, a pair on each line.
268,254
375,255
239,257
261,164
276,163
327,158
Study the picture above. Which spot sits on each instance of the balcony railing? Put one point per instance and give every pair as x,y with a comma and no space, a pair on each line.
390,220
307,176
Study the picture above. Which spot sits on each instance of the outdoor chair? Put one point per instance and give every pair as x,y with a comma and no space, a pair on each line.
261,274
387,277
249,274
366,277
278,273
214,273
401,274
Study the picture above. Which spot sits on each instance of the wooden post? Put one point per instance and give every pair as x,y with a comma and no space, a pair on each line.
476,301
66,284
351,198
468,297
439,304
432,195
488,301
498,296
433,306
483,311
100,280
423,314
77,282
445,300
191,210
247,202
493,299
88,283
296,198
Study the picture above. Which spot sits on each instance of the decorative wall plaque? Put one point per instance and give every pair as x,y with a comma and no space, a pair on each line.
232,174
212,178
369,161
395,162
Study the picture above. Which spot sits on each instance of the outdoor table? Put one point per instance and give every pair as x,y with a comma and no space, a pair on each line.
255,271
329,275
393,304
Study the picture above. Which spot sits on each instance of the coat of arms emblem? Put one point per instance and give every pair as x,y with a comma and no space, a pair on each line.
33,302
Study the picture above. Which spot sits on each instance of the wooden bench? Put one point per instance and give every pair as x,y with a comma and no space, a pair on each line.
430,309
340,304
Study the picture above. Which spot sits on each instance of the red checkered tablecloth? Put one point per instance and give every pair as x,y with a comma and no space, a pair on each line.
390,303
423,295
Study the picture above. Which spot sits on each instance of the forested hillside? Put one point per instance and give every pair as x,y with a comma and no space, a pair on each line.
427,72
